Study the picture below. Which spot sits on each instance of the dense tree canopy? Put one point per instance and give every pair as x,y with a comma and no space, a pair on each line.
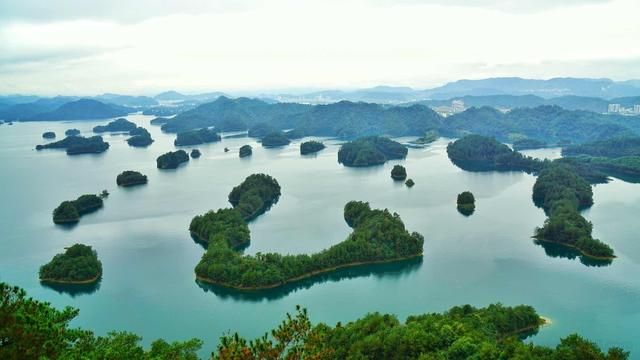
526,144
48,135
195,153
76,145
131,178
310,147
72,132
611,148
70,211
466,203
196,137
140,137
225,226
275,138
481,153
368,151
78,264
245,150
172,159
398,172
255,195
118,125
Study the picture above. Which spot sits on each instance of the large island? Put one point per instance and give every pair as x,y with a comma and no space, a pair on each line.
79,264
371,150
76,145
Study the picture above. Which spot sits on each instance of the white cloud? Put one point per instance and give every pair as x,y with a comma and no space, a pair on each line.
319,44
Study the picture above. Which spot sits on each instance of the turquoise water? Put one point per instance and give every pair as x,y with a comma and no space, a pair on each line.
148,285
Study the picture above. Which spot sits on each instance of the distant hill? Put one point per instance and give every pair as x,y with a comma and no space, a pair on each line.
83,109
127,100
174,96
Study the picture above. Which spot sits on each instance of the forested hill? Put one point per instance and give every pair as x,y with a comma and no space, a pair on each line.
83,109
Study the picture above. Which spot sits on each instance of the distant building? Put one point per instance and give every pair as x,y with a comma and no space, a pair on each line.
636,109
614,108
457,106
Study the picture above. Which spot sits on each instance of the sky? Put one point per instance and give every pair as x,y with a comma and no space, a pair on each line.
74,47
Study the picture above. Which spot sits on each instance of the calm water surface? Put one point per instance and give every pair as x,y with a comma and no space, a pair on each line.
148,285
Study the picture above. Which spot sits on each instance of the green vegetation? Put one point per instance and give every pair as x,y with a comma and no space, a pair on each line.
275,138
562,193
49,135
245,150
118,125
78,264
466,203
195,153
368,151
223,226
527,144
398,172
255,195
172,159
428,138
409,183
611,148
196,137
159,121
260,130
131,178
310,147
76,145
36,330
140,137
70,211
72,132
378,236
481,153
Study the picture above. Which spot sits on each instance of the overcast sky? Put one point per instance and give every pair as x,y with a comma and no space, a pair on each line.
91,47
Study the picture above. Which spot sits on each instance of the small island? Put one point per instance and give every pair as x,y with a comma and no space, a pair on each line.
196,137
76,145
466,203
79,264
172,159
398,173
72,132
49,135
428,138
131,178
140,137
369,151
311,147
255,195
195,153
482,153
245,150
159,121
409,183
275,139
118,125
69,212
260,130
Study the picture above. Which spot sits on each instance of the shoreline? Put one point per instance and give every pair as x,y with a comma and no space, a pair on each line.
305,276
582,252
73,282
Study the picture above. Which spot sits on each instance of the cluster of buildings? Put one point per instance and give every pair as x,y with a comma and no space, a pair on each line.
457,106
619,109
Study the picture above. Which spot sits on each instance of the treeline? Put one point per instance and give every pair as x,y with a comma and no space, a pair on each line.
378,236
562,193
118,125
371,150
481,153
78,264
36,330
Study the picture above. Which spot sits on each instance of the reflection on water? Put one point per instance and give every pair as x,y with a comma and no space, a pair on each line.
73,289
561,251
393,270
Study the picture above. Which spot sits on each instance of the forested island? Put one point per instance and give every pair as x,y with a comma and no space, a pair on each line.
245,150
255,195
196,137
159,121
371,150
70,211
562,193
118,125
76,145
398,172
172,159
466,203
479,333
274,139
72,132
195,153
482,153
409,183
311,147
140,137
427,138
378,236
79,264
48,135
131,178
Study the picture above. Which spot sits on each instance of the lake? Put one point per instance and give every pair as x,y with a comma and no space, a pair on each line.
142,238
